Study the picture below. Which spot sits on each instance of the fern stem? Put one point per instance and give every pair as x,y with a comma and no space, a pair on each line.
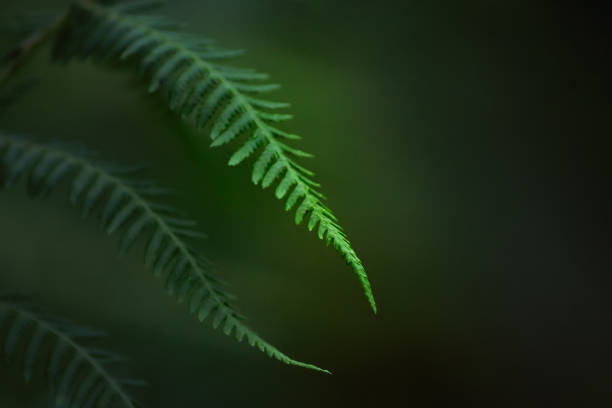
17,57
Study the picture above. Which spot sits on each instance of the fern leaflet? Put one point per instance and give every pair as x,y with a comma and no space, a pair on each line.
130,206
188,70
78,372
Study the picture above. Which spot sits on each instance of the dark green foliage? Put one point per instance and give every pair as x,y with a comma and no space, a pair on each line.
131,207
11,94
77,371
190,74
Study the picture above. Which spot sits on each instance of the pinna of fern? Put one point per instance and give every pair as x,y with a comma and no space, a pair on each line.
191,75
78,372
132,208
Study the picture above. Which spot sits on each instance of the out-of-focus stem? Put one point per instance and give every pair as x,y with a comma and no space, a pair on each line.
17,57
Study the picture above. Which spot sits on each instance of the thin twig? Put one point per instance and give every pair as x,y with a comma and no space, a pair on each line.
17,57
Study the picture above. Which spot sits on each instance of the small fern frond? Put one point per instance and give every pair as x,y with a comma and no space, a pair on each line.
130,206
188,71
78,372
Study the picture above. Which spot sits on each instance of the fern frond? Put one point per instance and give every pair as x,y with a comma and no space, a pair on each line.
78,372
129,206
187,71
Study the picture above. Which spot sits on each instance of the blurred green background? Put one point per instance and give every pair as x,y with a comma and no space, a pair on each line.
461,144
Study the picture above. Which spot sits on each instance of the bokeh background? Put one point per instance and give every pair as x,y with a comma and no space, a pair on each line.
463,146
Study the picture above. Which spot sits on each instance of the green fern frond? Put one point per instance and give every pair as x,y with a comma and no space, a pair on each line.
130,206
78,372
189,72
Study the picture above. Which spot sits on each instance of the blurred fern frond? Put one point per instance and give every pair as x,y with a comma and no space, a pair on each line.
131,206
189,72
77,371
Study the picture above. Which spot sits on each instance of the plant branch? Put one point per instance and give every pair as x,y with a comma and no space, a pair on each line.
18,55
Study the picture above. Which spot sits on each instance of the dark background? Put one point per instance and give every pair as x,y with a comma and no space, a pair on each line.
463,146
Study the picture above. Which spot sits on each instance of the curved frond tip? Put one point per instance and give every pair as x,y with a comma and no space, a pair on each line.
227,100
130,206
